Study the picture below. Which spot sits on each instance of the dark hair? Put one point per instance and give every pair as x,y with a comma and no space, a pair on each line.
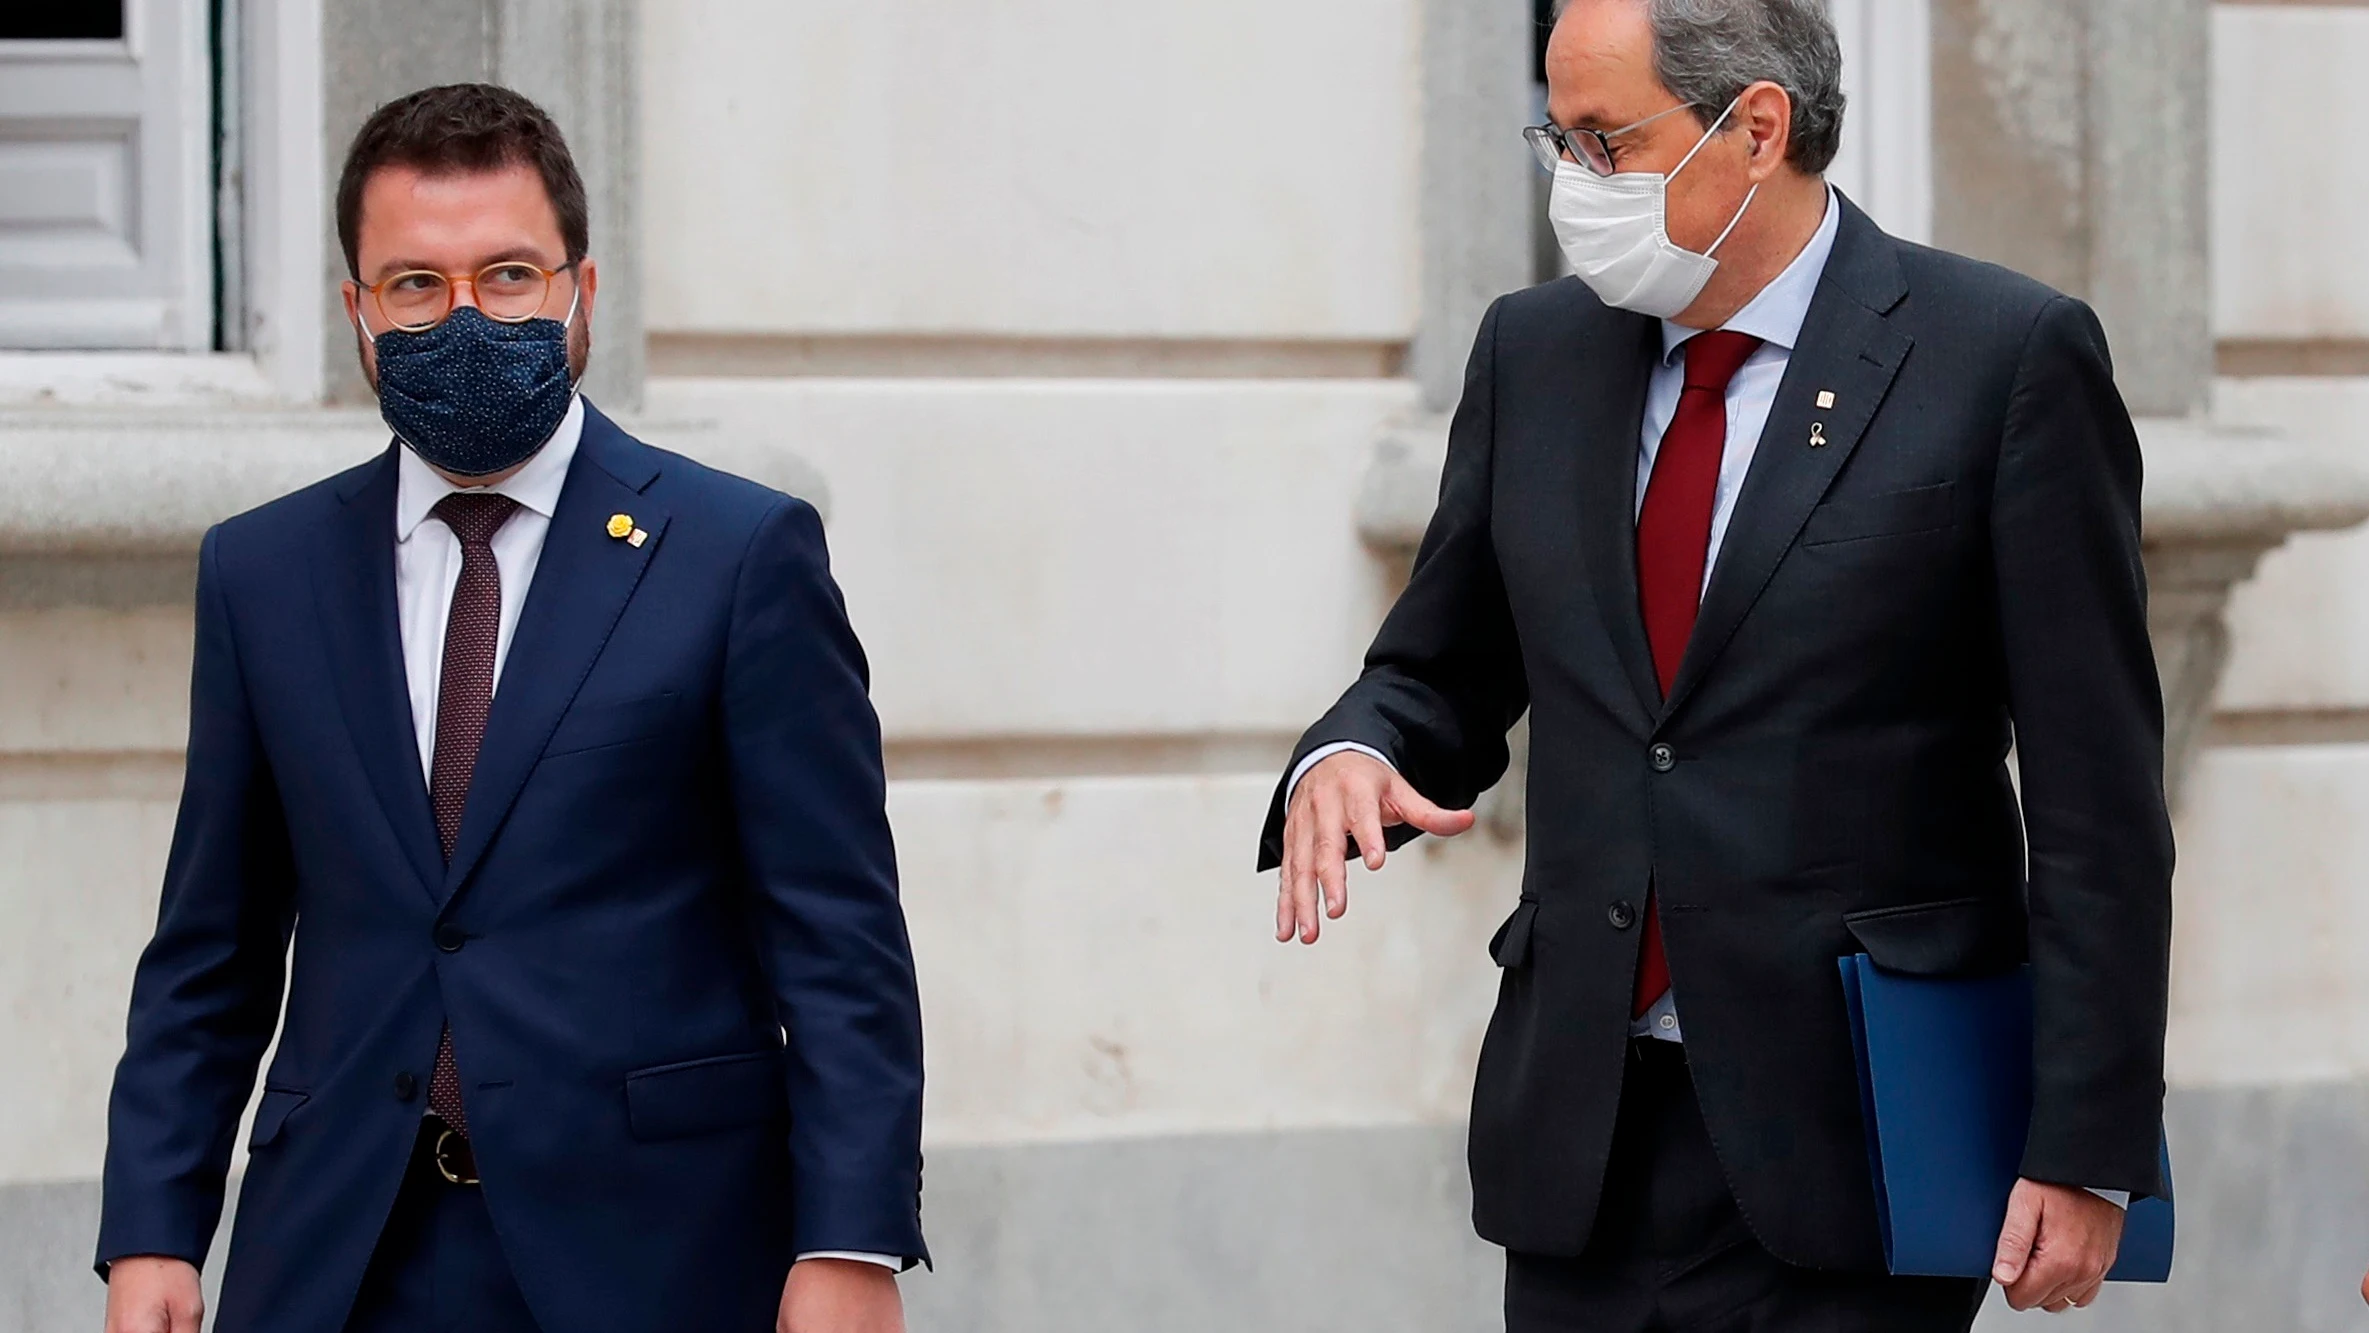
462,127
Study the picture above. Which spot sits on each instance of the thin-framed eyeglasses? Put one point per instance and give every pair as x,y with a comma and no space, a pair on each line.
1590,148
512,292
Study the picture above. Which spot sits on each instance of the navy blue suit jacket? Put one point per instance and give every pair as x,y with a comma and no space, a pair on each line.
668,942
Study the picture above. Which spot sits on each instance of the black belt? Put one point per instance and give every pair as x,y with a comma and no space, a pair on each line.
446,1151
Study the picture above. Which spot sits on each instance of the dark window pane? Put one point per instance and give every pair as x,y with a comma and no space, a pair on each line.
51,19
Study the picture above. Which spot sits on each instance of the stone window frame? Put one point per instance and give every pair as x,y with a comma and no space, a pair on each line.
275,108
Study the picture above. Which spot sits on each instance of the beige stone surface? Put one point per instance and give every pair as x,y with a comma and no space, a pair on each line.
1043,558
1098,960
1226,169
2300,629
2287,206
2272,919
82,680
78,889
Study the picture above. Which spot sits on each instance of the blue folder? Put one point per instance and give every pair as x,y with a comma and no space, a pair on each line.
1945,1084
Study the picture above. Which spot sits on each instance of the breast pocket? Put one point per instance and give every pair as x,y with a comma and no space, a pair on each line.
1894,514
601,726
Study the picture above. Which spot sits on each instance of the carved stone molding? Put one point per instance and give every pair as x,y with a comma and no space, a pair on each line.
2217,500
106,507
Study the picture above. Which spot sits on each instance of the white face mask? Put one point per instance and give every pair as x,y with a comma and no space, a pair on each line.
1614,231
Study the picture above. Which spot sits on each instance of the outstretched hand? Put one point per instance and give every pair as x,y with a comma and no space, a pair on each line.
1348,796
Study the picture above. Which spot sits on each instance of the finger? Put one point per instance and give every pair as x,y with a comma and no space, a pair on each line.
1411,807
1365,820
1291,865
2015,1238
2050,1279
1332,868
1306,887
1299,883
2087,1296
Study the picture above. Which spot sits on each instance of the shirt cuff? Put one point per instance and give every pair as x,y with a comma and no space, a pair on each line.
889,1262
2119,1198
1324,752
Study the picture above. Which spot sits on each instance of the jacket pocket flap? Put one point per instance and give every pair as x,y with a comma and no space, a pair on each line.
594,726
1511,945
271,1115
1900,512
1959,937
703,1096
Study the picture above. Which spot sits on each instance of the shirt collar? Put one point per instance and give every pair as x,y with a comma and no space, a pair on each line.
535,486
1776,313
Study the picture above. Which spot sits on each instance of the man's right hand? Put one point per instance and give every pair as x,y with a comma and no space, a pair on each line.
1347,795
148,1293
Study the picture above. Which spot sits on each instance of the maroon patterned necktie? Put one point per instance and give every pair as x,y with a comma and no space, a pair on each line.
464,696
1674,550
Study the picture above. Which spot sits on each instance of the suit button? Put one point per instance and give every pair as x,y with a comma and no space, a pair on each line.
1621,915
406,1087
449,938
1662,757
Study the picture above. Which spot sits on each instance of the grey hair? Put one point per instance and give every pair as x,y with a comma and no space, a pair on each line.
1708,51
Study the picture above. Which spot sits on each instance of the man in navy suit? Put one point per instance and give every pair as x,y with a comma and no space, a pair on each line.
552,752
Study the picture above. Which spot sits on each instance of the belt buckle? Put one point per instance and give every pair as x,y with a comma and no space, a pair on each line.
445,1138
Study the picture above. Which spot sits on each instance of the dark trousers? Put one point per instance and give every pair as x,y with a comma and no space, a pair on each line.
438,1267
1671,1253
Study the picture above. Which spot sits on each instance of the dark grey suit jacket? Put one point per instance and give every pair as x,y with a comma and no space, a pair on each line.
1955,571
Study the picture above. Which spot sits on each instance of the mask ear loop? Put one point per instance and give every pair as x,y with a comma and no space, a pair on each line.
566,321
1749,195
1698,144
1734,222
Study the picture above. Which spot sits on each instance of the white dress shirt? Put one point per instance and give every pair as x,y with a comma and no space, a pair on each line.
428,568
428,562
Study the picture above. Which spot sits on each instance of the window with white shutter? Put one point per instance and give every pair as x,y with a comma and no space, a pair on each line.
106,175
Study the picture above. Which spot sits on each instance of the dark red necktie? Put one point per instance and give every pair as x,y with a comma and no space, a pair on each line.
1674,549
464,696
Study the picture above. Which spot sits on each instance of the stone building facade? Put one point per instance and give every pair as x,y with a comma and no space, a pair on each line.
1113,340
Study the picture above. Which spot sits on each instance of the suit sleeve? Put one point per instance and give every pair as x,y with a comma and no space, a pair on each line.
1443,680
2088,710
207,993
810,798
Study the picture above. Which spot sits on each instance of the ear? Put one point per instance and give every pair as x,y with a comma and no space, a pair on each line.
587,283
352,292
1765,112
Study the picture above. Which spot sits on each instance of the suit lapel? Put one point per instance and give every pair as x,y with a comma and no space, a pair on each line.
1846,347
1609,412
582,584
354,590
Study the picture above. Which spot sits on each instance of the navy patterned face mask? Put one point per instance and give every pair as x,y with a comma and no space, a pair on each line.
474,396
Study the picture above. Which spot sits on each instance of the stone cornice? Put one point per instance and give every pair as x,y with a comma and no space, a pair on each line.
121,485
2205,484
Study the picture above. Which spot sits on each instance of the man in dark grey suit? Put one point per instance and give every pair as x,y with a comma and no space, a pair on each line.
1784,532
